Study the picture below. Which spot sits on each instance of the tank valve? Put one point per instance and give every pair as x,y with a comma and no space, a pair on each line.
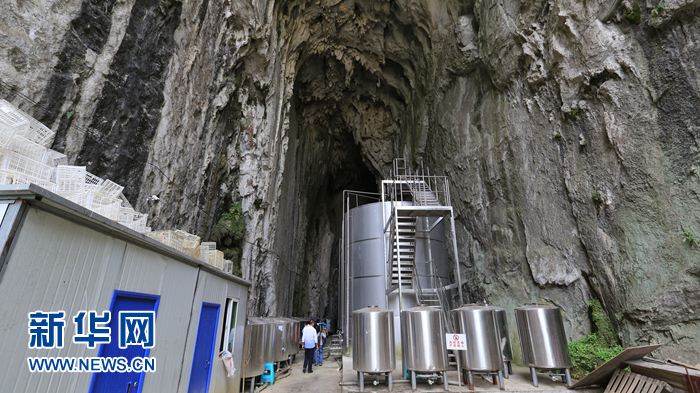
375,382
554,378
430,382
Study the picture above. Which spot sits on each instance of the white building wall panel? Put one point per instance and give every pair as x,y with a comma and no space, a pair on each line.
210,289
238,294
148,272
55,265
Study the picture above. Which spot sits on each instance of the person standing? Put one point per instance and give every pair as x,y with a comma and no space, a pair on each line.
310,345
321,342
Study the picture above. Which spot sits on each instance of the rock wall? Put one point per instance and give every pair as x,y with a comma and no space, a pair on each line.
569,132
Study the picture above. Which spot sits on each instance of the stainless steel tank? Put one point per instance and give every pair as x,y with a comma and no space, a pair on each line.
268,347
502,326
542,336
293,338
478,323
423,339
301,323
373,346
253,355
281,339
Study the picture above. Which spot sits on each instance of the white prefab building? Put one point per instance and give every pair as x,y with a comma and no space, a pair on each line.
57,256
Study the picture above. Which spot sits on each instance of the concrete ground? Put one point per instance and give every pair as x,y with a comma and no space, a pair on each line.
324,379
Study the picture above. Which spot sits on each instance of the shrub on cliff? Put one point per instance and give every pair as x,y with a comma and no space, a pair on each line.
592,351
228,234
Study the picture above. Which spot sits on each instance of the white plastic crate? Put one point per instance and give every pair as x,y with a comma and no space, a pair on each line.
54,158
111,188
10,177
70,179
169,238
132,219
5,177
218,259
29,149
140,225
125,202
19,178
100,204
40,134
11,122
190,243
92,182
208,246
127,215
34,130
206,252
6,133
22,165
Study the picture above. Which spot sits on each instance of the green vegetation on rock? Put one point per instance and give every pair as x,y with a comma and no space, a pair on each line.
634,15
228,235
592,351
691,239
597,200
658,8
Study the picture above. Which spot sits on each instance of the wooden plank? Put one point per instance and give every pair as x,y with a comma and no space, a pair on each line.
613,380
625,380
618,384
603,373
654,386
663,386
646,383
633,385
673,375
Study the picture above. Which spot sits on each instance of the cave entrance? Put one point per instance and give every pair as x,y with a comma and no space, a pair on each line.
345,130
323,159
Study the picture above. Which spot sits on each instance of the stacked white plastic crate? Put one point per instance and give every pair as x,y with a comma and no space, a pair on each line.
179,240
190,245
25,158
210,255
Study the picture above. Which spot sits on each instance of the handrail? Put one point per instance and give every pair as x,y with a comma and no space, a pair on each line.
420,297
443,300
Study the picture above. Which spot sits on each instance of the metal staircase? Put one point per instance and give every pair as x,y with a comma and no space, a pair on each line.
405,247
422,194
413,205
428,197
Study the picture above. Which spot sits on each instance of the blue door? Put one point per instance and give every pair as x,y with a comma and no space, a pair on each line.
128,381
204,348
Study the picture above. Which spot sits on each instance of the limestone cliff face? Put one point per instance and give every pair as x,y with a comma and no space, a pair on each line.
568,129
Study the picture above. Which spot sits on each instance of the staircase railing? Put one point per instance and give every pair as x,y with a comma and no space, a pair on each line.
420,297
423,187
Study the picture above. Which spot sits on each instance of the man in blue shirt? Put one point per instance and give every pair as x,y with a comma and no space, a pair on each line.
310,345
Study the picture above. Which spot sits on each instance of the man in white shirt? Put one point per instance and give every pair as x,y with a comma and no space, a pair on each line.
310,345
